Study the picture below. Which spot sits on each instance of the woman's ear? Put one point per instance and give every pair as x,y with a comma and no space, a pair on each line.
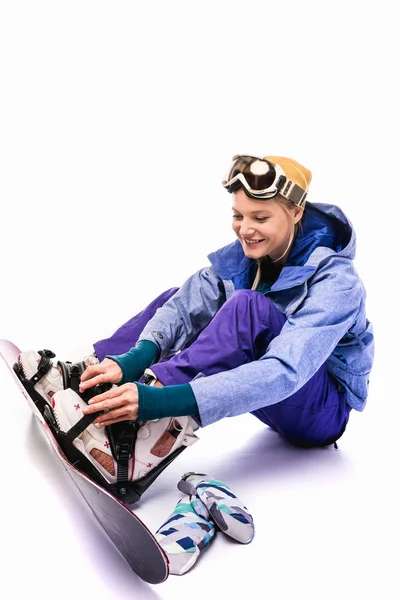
297,214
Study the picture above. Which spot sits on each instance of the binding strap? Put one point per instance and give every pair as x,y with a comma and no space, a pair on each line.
86,420
125,449
71,374
82,424
44,365
122,437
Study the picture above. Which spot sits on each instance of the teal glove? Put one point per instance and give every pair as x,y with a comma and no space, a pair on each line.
134,362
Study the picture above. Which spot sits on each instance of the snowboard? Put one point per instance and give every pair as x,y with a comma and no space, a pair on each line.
127,532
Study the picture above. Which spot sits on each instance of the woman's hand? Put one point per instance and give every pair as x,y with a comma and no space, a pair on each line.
121,404
108,371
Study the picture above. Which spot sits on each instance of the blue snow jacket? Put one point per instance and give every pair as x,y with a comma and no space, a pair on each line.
323,299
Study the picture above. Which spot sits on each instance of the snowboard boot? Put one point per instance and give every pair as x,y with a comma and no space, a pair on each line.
93,441
128,451
49,379
155,440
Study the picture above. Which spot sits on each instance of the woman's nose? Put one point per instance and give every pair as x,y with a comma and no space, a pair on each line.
246,228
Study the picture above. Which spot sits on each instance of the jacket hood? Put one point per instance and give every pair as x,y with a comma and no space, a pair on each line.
322,225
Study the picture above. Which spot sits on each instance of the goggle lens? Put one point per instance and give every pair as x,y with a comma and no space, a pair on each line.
259,174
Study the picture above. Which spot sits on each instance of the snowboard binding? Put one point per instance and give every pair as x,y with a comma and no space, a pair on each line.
122,437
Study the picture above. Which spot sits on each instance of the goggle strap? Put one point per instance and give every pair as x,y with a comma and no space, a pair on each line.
291,190
281,181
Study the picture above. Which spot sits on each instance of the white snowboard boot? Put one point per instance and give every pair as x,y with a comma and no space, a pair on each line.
53,381
156,440
50,384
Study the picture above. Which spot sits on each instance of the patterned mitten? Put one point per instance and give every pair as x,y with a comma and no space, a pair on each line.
185,534
225,509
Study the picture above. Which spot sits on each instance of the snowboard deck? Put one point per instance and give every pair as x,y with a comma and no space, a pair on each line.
128,533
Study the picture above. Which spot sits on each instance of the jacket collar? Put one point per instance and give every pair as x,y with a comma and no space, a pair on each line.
323,225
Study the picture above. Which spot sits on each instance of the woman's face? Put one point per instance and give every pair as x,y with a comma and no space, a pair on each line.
262,226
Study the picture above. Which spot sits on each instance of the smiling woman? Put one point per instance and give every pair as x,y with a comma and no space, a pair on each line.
275,326
264,233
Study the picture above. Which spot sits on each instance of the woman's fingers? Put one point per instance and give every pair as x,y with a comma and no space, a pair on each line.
96,380
120,404
114,416
90,372
108,371
106,401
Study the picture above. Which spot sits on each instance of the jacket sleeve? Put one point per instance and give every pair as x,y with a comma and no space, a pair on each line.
306,341
187,313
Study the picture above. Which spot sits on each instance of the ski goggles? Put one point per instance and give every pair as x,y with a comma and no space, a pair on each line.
261,179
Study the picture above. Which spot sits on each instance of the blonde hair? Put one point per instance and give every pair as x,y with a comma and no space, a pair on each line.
288,206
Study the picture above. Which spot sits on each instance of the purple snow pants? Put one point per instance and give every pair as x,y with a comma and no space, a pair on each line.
316,415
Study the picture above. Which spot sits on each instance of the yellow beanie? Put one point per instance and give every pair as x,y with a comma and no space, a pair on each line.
293,170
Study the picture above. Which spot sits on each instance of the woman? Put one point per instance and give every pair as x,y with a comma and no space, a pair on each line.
276,326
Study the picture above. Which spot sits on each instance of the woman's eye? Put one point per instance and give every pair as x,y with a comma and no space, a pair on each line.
259,219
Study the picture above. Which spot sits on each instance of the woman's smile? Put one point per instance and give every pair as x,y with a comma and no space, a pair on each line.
263,227
252,242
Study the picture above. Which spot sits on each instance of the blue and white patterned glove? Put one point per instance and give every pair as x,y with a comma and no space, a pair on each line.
225,509
185,534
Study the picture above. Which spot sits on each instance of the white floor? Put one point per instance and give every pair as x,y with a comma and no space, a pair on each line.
327,520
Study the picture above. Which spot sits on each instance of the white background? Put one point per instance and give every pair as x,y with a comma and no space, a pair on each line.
117,123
